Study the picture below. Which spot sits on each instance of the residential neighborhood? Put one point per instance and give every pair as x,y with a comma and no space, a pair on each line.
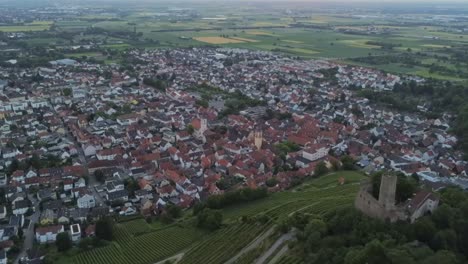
88,140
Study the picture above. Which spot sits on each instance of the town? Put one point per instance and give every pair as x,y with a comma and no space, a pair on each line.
81,140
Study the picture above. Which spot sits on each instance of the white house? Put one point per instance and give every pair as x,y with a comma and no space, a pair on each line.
48,234
89,150
86,200
316,152
75,232
3,212
20,207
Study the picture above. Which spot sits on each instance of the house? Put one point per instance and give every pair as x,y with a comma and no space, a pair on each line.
16,221
90,231
86,200
48,234
3,212
128,210
121,195
20,207
89,150
315,152
422,203
75,233
3,257
46,194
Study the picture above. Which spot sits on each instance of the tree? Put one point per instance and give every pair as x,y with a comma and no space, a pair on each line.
272,182
209,219
190,129
63,242
348,162
67,91
100,177
321,169
442,256
85,243
174,211
104,228
424,229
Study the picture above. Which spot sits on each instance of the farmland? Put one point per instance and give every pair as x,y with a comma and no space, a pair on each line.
312,33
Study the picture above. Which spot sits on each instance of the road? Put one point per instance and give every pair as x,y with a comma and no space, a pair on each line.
252,245
92,182
278,255
29,235
274,248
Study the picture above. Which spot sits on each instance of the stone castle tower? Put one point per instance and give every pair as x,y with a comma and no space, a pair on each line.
384,207
387,191
258,138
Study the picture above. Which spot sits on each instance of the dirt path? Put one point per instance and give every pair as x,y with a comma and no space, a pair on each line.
252,245
274,247
280,253
174,259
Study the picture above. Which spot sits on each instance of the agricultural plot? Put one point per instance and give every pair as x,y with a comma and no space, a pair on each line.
149,247
138,226
290,260
25,28
218,40
224,244
280,205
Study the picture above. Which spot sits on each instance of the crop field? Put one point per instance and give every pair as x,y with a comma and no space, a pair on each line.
218,40
25,28
222,245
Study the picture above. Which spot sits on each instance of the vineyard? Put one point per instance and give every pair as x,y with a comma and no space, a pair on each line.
290,260
136,227
150,247
224,244
281,204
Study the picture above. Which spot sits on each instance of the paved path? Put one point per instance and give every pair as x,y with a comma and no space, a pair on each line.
252,245
284,238
278,255
175,259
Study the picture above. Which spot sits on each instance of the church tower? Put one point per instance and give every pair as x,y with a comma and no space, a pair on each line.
258,139
387,191
203,125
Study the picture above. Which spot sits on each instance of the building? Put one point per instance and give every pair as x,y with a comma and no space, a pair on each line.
385,207
75,232
48,234
86,200
3,257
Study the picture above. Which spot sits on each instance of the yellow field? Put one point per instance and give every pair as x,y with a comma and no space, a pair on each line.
434,46
244,39
292,41
359,43
268,24
218,40
24,28
259,33
39,23
305,51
